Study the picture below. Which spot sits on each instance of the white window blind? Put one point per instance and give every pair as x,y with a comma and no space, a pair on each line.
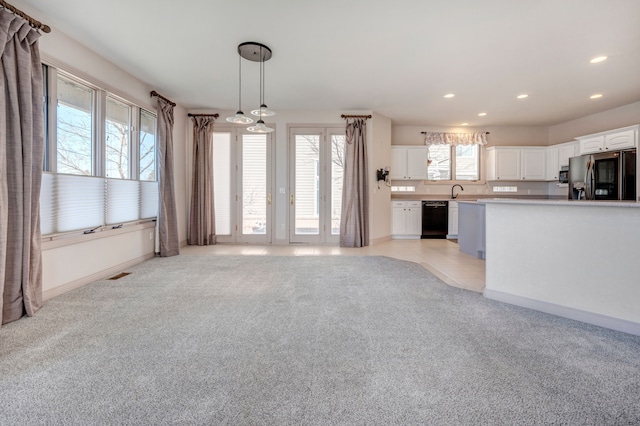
123,200
222,182
72,203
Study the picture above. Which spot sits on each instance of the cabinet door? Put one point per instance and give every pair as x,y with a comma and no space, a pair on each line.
564,153
397,221
453,218
417,163
413,221
398,163
533,164
621,140
552,163
591,145
507,164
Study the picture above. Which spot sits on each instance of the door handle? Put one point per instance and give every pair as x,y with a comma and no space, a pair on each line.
292,199
269,199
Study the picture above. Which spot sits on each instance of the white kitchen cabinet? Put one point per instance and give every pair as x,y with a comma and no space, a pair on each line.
533,162
566,151
408,163
453,220
552,163
512,163
626,137
406,219
503,163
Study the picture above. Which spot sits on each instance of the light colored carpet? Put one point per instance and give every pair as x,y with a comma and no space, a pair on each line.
306,340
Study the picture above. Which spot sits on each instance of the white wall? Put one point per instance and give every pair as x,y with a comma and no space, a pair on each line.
623,116
379,151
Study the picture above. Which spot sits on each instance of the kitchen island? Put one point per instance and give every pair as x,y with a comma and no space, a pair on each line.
576,259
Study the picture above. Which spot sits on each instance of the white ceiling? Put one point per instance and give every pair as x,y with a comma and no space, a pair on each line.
396,58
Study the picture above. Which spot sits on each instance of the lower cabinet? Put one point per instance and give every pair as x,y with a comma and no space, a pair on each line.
406,219
453,220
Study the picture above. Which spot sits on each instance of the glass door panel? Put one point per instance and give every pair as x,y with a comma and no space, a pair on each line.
337,174
255,189
307,185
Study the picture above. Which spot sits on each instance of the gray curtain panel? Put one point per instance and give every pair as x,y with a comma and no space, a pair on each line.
21,160
202,224
354,220
167,216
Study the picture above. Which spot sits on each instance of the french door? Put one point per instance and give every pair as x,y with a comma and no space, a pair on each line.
242,186
315,179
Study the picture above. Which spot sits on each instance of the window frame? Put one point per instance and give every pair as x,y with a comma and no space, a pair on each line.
453,159
51,73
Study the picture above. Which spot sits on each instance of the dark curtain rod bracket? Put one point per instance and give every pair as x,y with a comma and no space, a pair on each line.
33,22
158,95
204,115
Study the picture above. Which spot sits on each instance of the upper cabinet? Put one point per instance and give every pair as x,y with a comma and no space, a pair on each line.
511,163
565,151
611,140
408,163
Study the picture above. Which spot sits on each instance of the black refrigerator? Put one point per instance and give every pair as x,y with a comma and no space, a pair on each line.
605,176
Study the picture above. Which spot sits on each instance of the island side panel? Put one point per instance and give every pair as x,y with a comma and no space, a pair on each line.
582,257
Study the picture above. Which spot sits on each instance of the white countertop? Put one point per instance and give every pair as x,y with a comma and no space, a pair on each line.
552,202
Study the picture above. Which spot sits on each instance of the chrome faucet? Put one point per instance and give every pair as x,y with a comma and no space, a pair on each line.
453,197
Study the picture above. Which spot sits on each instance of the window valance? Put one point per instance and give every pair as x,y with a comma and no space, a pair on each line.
441,138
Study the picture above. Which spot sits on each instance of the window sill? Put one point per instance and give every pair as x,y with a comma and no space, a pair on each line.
78,237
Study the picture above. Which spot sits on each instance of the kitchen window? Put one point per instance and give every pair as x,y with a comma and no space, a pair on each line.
460,161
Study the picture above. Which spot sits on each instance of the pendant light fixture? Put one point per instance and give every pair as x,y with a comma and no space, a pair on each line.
239,117
258,52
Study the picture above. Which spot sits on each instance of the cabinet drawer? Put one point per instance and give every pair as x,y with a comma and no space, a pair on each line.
398,204
414,203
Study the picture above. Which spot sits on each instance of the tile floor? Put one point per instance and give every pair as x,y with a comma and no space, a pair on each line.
441,257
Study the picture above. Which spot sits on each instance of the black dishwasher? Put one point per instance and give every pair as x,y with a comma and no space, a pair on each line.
435,219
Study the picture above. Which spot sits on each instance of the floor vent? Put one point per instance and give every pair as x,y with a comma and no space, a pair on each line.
120,275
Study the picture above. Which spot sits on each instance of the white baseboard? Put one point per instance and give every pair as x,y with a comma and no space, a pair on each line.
380,240
57,291
600,320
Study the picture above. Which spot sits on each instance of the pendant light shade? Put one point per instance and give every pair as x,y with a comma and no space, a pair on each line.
260,127
264,111
239,117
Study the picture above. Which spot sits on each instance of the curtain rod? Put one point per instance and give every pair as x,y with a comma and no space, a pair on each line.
154,93
33,22
424,133
354,116
204,115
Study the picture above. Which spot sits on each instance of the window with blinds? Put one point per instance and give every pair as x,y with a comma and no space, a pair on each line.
72,203
98,171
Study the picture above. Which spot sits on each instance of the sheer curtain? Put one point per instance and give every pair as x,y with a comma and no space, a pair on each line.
202,225
167,217
21,159
354,220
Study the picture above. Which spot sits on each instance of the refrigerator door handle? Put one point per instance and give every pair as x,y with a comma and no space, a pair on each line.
588,179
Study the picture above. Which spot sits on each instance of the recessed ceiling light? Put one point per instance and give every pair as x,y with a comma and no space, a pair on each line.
449,95
524,95
598,59
596,96
464,124
482,114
